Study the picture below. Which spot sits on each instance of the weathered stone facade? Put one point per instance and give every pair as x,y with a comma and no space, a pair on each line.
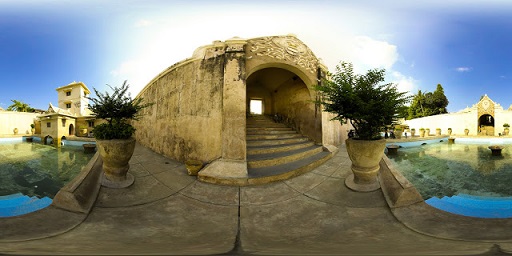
201,103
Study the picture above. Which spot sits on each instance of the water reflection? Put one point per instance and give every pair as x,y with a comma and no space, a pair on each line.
38,170
448,169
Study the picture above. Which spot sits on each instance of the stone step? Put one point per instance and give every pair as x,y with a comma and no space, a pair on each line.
272,136
254,150
276,141
270,131
273,159
272,125
288,170
262,129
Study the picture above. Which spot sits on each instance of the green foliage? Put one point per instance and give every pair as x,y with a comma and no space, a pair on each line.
428,104
32,126
20,106
506,125
363,100
117,109
114,130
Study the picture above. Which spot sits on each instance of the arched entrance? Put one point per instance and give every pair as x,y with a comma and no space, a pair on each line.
71,129
486,125
284,96
48,140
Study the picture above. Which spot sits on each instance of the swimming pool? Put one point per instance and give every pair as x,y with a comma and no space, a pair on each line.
462,178
31,172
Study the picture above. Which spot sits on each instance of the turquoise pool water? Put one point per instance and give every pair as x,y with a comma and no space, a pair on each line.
462,178
31,171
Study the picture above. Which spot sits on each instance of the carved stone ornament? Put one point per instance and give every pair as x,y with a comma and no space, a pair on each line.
285,48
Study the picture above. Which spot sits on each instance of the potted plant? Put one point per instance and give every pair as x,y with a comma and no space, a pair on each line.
438,131
506,128
32,128
466,131
422,132
368,105
449,131
413,132
398,133
114,138
427,132
15,131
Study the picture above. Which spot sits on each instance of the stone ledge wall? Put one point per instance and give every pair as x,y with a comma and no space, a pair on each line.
185,121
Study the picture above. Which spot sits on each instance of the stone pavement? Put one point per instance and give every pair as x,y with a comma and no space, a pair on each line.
167,212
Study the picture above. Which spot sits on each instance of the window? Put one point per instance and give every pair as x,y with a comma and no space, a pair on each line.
48,124
91,123
68,93
63,122
68,105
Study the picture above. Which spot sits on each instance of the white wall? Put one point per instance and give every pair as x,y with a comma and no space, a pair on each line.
21,120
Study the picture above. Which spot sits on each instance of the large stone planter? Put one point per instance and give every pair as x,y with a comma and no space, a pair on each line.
116,154
365,156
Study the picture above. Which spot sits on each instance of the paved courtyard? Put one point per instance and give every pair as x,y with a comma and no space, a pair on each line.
167,212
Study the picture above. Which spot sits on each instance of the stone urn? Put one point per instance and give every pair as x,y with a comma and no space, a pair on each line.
422,132
392,149
449,131
116,154
15,131
438,131
427,132
365,156
466,132
496,150
193,167
89,148
506,131
413,132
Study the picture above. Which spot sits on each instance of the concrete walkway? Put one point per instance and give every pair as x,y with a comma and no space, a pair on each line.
167,212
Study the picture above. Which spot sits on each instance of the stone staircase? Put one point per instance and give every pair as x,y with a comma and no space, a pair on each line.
277,152
19,204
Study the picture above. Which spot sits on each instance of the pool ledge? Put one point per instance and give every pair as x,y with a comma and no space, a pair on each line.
80,194
408,207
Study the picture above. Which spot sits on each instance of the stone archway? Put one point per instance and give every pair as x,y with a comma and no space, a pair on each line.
284,96
486,125
48,140
71,130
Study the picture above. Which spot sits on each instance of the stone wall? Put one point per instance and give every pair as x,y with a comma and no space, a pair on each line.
186,118
457,121
21,120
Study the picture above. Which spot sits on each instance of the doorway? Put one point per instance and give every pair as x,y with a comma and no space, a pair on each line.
256,107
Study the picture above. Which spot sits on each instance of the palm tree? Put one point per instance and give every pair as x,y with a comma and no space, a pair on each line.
20,106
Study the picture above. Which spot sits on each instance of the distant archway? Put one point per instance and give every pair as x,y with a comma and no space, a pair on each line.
48,140
486,125
71,129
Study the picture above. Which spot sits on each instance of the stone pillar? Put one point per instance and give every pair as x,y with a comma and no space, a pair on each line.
234,102
231,168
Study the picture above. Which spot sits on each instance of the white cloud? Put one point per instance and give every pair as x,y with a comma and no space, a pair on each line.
372,53
404,83
463,69
142,23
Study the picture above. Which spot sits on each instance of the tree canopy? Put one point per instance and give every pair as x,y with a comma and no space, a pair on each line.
428,104
20,106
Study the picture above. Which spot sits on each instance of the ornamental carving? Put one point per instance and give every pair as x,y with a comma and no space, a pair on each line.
486,106
285,48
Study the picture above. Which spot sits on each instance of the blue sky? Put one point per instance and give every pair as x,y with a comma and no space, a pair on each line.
463,45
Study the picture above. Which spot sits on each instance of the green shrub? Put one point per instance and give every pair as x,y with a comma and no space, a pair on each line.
117,109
